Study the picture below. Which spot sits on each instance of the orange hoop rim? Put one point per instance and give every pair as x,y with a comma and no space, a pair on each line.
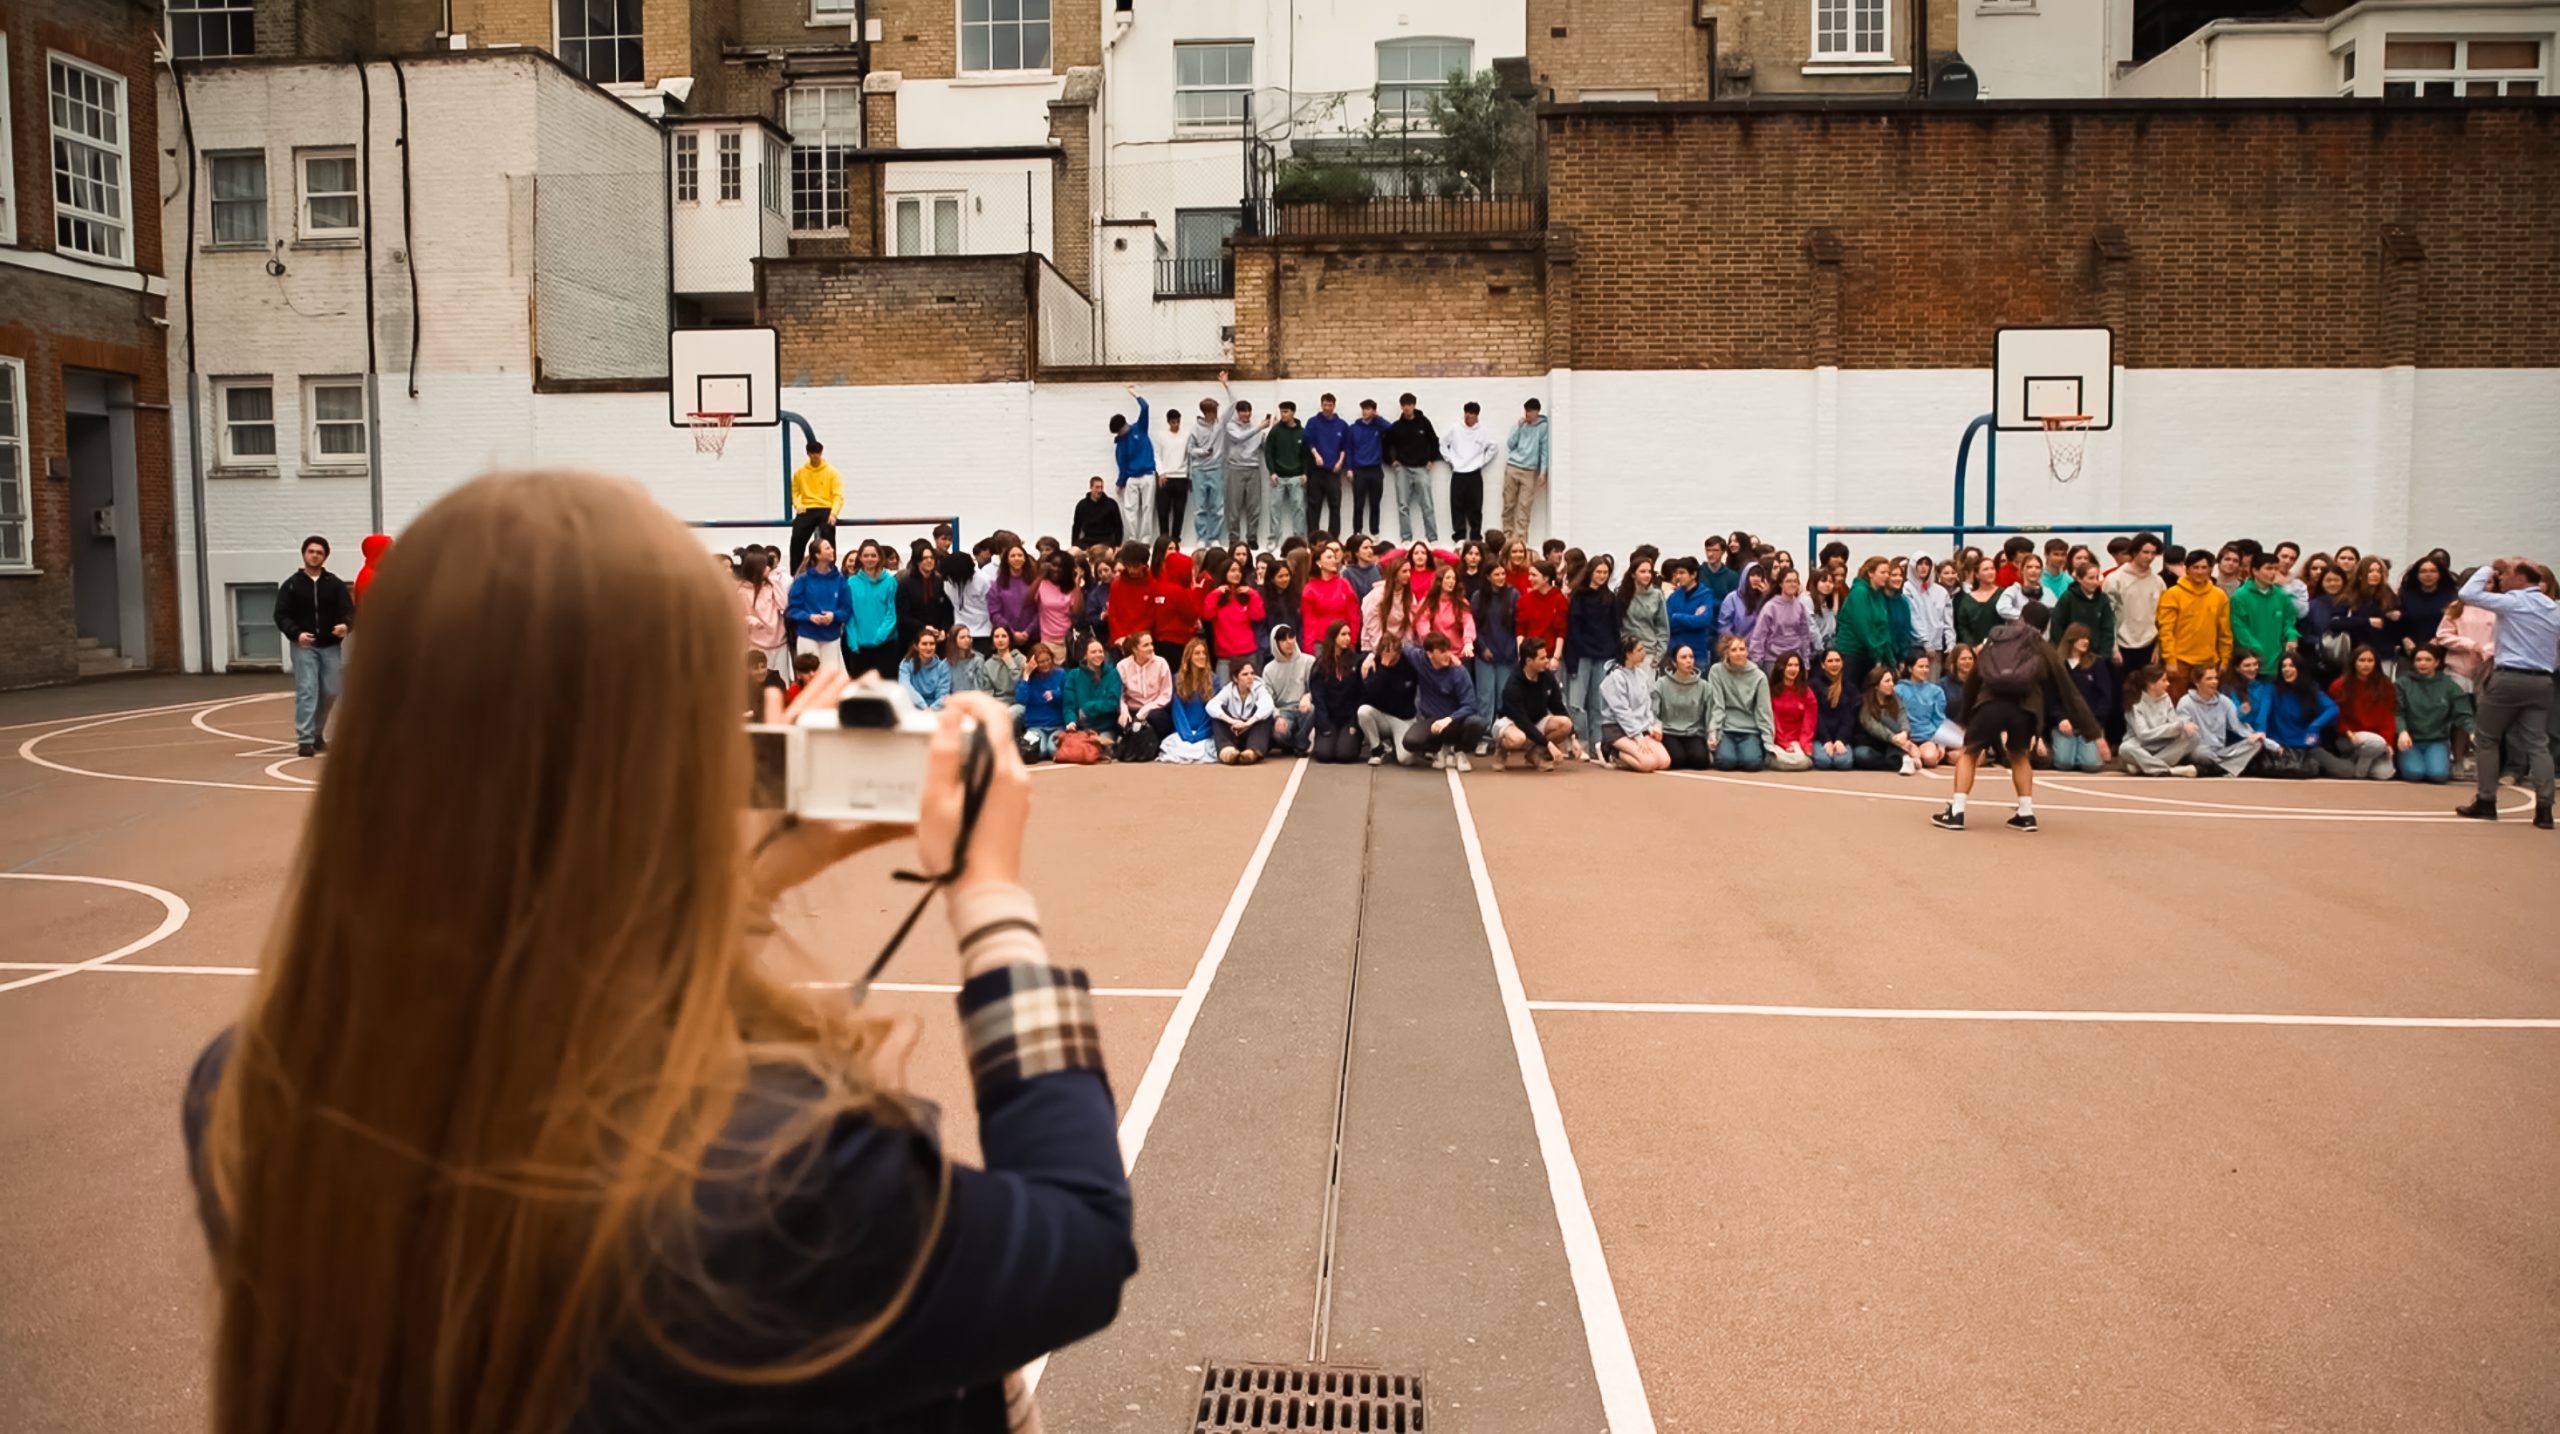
2066,422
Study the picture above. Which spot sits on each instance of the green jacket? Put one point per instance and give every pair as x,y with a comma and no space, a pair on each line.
1286,450
2429,706
1648,617
1093,703
2094,611
1681,707
1866,625
1974,618
2261,621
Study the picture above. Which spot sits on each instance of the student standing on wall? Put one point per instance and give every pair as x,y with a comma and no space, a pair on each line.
1413,445
1173,479
2516,696
1133,455
1524,470
1329,449
1244,475
1368,457
817,501
1206,458
1470,449
1284,452
313,611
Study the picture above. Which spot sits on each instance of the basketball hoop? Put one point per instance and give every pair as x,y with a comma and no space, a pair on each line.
2066,441
711,431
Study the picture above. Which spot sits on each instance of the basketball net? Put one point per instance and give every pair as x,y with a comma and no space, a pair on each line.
711,432
2066,442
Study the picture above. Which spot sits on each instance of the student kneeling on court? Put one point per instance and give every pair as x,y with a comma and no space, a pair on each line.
532,1125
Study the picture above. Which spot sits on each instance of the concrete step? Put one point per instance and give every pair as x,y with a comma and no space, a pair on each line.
100,662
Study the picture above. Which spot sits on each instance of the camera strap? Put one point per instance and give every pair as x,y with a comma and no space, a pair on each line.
977,773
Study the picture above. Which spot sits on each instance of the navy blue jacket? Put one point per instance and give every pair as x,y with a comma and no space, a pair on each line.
1591,626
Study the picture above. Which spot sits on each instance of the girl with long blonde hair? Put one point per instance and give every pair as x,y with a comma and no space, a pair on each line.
529,1124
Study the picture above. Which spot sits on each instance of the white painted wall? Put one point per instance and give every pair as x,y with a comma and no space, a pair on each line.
717,241
1005,203
2366,26
2242,60
975,111
2056,49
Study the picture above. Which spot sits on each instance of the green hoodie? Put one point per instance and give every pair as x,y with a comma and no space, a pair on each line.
1648,618
1739,702
1285,449
1680,705
2093,611
1866,625
2429,706
2261,620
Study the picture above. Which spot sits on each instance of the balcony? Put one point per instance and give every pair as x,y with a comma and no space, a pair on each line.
1196,278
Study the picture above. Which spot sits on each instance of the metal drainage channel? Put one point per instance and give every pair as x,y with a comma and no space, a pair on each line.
1244,1397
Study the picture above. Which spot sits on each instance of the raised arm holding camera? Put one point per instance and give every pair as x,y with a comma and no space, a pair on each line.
530,1126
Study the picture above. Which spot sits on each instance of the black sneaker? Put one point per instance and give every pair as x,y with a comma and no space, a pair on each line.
2022,823
1947,820
304,750
2542,815
1377,756
2479,809
321,747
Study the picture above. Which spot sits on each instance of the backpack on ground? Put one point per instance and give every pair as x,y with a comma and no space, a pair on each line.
2011,661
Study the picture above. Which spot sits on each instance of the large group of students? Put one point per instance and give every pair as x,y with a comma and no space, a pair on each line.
2159,660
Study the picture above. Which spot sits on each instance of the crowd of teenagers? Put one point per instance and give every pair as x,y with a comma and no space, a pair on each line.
2164,661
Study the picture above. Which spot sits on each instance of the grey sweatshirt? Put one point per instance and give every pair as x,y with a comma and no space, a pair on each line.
1681,706
1739,702
1244,445
1646,617
1287,679
1206,447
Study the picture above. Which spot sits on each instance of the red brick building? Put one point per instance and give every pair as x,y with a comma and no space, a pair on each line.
88,581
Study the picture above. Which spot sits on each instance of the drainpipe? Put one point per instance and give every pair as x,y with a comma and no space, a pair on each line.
372,367
195,406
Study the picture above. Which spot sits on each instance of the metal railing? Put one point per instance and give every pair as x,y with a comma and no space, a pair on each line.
1196,278
1465,214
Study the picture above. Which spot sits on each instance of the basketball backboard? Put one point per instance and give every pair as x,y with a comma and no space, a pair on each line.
724,371
2041,373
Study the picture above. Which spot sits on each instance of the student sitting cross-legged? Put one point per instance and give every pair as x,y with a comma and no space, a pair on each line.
1739,719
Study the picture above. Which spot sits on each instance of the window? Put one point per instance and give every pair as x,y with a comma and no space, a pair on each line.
831,12
15,534
1850,30
238,182
248,409
825,123
769,179
212,29
2444,69
329,208
254,635
926,224
688,167
1200,266
333,425
88,160
732,160
1212,84
1004,34
1410,72
600,39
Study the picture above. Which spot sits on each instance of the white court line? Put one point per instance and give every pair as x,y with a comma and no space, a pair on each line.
173,915
264,744
1623,1404
1148,1098
27,753
271,771
2066,786
121,969
2139,1018
924,988
126,712
2280,815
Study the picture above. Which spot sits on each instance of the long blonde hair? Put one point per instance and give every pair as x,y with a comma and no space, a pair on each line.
512,997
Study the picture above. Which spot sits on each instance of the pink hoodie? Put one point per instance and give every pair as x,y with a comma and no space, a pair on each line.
2469,637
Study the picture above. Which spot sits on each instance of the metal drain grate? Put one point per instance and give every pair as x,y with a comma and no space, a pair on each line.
1253,1398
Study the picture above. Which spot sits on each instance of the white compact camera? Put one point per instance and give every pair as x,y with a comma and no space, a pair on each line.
862,760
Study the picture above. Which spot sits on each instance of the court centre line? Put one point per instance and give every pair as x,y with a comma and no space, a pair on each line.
174,913
1980,801
2139,1018
1604,1326
924,988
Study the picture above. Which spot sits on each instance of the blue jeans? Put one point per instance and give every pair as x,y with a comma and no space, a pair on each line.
1833,761
1292,731
1413,489
2427,762
1209,517
2074,754
315,688
1739,752
1491,677
1582,696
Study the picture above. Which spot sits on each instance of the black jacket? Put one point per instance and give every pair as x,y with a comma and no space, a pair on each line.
1591,625
1529,701
1389,687
1097,521
1337,698
313,605
922,605
1413,441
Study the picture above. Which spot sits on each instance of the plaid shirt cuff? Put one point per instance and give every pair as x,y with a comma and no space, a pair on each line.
1026,1020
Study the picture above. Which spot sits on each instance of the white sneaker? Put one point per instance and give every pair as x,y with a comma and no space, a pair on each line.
1440,760
1462,764
2182,770
1910,766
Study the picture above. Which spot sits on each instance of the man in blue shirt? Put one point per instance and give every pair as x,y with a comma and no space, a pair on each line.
2516,694
1328,451
1368,455
1133,455
1446,725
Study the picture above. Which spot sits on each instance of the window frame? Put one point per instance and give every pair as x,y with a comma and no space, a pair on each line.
1183,125
769,183
231,11
685,155
611,40
14,474
242,624
928,204
231,458
214,202
1850,53
1193,276
1048,46
65,213
730,150
313,457
2461,76
303,227
1415,118
826,187
833,12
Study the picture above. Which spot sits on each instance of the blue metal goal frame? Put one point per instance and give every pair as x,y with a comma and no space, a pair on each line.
1958,528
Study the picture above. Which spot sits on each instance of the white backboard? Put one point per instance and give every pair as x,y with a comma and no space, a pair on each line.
2044,373
724,371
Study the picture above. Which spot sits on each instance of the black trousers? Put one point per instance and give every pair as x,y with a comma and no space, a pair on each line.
1324,502
1368,490
1461,735
806,524
1466,505
1173,495
1690,753
1339,744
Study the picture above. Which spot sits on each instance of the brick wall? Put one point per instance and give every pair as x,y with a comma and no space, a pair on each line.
667,44
2226,236
899,321
920,39
1762,47
1429,307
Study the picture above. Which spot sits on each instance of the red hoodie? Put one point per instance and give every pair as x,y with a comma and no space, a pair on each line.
1131,608
1541,615
374,547
1177,607
2360,712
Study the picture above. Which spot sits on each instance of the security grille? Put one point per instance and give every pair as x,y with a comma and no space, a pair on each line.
1252,1398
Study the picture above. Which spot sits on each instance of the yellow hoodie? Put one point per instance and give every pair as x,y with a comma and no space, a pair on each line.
2195,625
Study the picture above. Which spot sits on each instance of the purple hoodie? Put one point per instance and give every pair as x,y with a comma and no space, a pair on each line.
1016,609
1785,625
1735,619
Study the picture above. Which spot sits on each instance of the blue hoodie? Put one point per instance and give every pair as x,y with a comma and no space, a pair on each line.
1924,708
1692,613
930,684
1368,442
1041,696
2284,719
1327,434
873,599
1133,450
820,589
2253,701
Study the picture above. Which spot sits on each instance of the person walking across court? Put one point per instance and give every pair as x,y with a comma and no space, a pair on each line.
817,501
1524,470
313,610
2514,701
